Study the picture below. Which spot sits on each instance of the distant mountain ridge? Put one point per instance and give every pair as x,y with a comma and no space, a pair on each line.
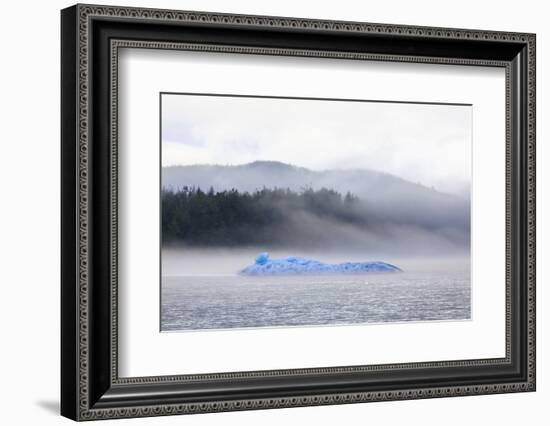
273,174
385,195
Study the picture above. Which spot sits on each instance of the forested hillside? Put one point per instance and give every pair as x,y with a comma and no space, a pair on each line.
273,216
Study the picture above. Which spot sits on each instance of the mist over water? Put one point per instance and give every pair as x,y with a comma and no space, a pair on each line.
191,261
211,235
201,290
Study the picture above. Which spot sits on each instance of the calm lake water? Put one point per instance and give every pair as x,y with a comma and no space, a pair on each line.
424,292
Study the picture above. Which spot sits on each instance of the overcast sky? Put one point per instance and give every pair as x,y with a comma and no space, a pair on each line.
429,144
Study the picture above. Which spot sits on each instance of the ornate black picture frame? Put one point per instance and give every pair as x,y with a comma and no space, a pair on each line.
90,38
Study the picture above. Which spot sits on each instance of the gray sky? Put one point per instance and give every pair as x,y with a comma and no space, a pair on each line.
429,144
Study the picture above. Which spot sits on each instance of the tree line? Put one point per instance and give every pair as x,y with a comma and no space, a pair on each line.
230,218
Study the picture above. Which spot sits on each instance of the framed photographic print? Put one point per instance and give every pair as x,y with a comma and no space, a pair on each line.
263,212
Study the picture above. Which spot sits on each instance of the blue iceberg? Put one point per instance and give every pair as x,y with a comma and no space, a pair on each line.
293,265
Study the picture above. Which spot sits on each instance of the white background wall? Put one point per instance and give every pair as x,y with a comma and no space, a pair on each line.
29,224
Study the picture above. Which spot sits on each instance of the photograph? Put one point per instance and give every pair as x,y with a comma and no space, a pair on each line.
307,212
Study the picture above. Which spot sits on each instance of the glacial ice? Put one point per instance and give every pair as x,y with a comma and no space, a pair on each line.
293,265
